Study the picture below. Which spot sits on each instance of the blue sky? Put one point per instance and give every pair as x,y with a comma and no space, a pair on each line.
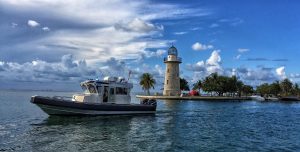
44,44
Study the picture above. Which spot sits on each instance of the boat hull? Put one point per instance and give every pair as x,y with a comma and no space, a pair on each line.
53,106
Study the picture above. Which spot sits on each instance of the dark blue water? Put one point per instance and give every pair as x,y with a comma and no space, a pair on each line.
177,126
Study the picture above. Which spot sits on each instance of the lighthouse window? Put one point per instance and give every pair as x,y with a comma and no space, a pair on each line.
167,81
168,70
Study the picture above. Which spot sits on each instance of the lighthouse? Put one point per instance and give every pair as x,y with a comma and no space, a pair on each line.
172,80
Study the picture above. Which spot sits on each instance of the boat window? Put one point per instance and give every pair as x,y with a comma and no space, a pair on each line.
99,89
125,90
112,91
120,90
85,90
91,88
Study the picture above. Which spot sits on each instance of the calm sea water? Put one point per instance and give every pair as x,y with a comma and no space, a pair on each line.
177,126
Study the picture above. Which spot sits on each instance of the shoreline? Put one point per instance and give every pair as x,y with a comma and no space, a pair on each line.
191,97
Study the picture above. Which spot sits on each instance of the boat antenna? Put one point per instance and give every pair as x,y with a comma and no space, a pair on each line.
129,73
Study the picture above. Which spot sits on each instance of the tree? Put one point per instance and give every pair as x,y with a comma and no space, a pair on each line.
296,89
209,84
274,88
286,86
197,85
222,85
239,87
233,84
263,89
147,81
247,89
184,85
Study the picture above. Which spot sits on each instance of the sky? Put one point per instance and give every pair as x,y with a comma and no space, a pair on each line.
53,44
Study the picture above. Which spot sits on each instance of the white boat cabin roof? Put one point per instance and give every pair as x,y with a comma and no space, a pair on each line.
111,82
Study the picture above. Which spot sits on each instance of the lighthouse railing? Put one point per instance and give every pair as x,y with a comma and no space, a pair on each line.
177,59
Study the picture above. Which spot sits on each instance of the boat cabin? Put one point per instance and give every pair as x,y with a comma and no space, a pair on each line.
109,90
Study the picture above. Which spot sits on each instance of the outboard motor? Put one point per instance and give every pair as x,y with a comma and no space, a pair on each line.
149,102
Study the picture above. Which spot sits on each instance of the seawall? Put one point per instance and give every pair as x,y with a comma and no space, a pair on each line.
192,97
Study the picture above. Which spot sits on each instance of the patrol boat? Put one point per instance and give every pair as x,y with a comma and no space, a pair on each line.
110,96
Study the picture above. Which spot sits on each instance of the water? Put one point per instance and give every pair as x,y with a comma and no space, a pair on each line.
177,126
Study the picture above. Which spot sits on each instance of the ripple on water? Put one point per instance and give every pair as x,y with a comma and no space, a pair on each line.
177,126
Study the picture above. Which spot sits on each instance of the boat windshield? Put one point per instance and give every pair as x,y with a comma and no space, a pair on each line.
91,88
85,90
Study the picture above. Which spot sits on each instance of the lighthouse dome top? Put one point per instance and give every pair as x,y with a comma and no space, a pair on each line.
172,51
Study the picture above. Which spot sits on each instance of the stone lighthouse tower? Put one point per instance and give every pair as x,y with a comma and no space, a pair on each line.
172,81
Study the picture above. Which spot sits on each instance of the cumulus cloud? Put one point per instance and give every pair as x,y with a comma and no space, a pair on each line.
251,76
280,71
214,59
41,71
198,46
98,30
33,23
67,70
158,53
212,65
297,75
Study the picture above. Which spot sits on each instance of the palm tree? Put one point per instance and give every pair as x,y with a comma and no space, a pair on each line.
184,85
286,87
147,81
197,85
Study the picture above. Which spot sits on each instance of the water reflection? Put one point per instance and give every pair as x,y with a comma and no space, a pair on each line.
176,126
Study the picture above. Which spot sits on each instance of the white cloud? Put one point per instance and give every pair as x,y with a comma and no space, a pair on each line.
214,59
157,53
280,71
160,70
14,25
160,52
138,25
238,57
67,69
214,25
295,76
119,29
196,28
46,29
180,33
33,23
233,72
212,65
243,50
104,33
233,21
198,46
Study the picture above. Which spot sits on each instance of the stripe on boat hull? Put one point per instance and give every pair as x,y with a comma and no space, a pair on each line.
51,110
